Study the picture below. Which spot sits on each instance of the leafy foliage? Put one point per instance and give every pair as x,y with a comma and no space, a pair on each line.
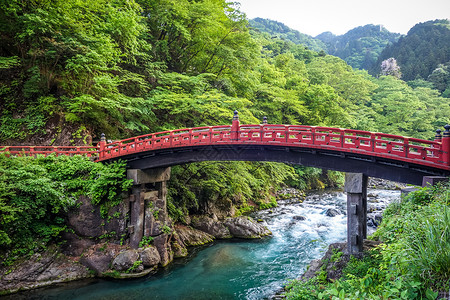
35,193
195,187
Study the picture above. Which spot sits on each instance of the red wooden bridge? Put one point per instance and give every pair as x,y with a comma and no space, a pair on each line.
331,148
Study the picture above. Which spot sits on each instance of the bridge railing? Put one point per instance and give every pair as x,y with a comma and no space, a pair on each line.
431,153
346,140
90,151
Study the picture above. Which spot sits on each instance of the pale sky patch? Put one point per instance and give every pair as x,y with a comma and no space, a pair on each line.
313,17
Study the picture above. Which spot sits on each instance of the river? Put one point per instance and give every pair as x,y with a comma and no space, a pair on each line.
236,269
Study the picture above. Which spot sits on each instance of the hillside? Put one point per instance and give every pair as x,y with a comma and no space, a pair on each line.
279,30
361,46
424,53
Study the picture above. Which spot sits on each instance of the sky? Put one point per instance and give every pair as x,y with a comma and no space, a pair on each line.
313,17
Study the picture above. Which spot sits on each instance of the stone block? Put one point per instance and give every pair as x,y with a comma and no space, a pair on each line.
433,180
148,175
354,183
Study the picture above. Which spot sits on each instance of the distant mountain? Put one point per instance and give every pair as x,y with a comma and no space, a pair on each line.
423,51
282,31
361,46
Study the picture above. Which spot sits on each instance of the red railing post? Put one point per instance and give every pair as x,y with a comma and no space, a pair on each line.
235,127
101,146
446,145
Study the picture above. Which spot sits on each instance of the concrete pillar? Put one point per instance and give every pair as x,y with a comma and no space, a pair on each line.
148,209
356,189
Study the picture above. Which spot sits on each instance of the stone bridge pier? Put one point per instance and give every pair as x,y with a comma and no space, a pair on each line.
148,209
356,189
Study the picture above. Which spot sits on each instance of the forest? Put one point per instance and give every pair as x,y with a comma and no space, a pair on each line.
71,70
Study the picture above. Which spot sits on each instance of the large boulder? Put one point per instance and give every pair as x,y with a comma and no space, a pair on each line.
98,257
41,269
86,220
149,256
178,247
162,244
125,260
245,227
211,226
193,237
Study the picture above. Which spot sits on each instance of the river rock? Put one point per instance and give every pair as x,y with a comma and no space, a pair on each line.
178,247
41,269
245,227
125,260
149,256
162,243
211,226
98,257
299,218
331,212
193,237
378,217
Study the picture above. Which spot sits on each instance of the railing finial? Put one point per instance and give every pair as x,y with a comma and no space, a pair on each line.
236,116
438,136
265,120
447,130
103,137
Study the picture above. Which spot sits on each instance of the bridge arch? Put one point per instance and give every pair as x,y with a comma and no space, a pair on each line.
379,155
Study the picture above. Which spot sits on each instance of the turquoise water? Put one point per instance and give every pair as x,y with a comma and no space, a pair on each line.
236,269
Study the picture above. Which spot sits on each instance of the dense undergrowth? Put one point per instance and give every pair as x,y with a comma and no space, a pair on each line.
35,193
413,262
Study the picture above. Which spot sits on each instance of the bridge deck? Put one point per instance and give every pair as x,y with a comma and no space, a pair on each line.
430,154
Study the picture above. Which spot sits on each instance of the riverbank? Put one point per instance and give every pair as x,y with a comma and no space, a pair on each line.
411,245
306,219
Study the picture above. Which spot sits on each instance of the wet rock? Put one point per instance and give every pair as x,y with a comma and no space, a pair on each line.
178,247
41,269
149,256
162,243
211,226
377,183
371,223
378,218
245,227
299,218
98,257
193,237
98,262
331,212
125,260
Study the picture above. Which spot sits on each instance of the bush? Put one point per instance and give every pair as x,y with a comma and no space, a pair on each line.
35,193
